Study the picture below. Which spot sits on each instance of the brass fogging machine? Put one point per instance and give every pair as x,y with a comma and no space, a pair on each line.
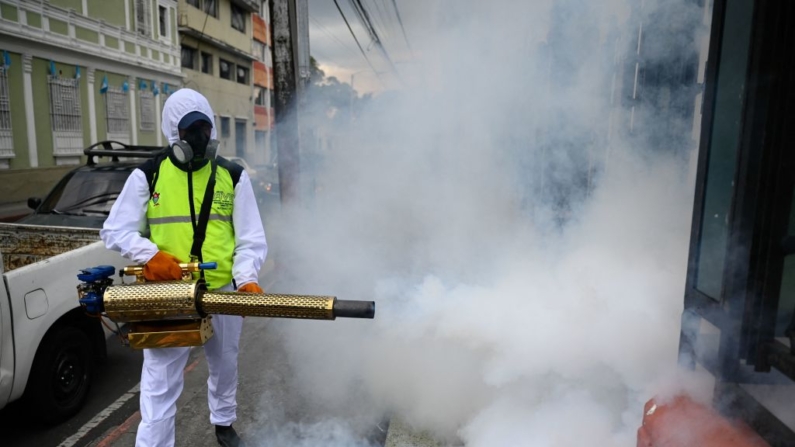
167,314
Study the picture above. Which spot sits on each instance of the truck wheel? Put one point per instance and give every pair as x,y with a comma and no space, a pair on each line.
61,375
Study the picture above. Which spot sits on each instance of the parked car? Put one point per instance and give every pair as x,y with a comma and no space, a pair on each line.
84,196
48,345
264,179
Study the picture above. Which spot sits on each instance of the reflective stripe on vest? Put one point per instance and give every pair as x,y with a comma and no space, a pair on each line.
168,214
183,219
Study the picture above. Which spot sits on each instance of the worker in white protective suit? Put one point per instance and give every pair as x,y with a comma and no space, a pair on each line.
157,197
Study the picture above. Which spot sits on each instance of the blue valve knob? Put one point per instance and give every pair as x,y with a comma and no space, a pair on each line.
96,273
208,265
92,303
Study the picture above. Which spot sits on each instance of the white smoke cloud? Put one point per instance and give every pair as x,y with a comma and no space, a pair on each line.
527,293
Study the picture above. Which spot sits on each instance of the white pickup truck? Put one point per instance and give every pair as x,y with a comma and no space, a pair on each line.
48,346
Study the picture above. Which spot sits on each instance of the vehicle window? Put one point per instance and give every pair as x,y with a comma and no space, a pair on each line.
86,193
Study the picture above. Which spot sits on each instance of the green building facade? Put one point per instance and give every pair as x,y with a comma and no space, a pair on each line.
76,72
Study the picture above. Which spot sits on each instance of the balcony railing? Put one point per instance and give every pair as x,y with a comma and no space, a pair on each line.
144,47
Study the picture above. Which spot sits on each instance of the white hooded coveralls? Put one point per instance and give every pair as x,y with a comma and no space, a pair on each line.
162,374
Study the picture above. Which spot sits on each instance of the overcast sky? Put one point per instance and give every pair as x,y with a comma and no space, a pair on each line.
336,51
332,45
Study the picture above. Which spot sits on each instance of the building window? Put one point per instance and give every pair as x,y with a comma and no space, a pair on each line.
226,69
261,98
6,136
163,17
147,118
224,127
207,63
143,17
208,6
260,51
242,75
117,112
66,116
188,57
238,18
211,7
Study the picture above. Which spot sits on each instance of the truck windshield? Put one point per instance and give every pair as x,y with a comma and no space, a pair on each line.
85,193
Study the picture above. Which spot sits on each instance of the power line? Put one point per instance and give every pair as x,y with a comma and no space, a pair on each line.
331,35
388,14
381,20
357,42
400,21
364,17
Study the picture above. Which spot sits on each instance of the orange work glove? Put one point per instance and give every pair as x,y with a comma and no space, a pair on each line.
162,267
251,287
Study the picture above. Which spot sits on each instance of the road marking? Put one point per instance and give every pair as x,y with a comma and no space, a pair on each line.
101,416
107,412
120,430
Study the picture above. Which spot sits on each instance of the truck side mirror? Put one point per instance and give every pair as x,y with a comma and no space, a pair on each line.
34,202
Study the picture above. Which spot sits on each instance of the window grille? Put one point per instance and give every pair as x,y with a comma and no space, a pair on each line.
117,110
66,116
6,136
143,17
147,118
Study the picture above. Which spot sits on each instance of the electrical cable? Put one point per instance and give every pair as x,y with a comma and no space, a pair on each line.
331,35
357,43
364,16
379,16
400,21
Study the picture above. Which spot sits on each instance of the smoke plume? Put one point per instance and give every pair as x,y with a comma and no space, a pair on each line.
524,239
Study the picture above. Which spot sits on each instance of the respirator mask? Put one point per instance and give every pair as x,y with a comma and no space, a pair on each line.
195,145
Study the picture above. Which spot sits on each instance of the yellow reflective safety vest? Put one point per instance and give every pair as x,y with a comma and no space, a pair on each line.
169,216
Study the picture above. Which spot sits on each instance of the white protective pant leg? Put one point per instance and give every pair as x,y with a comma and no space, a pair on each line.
162,381
161,384
221,352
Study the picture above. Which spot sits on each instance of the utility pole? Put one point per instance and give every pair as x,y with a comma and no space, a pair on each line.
284,79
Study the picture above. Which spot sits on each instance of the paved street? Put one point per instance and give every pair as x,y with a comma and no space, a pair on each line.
120,373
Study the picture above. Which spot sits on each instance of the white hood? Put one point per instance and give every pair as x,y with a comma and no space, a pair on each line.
179,104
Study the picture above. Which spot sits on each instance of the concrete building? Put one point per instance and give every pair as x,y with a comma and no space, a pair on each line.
264,117
225,54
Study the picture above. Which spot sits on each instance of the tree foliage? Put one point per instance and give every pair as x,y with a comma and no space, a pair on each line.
330,101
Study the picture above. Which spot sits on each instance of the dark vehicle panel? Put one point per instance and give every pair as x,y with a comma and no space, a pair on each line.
85,195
